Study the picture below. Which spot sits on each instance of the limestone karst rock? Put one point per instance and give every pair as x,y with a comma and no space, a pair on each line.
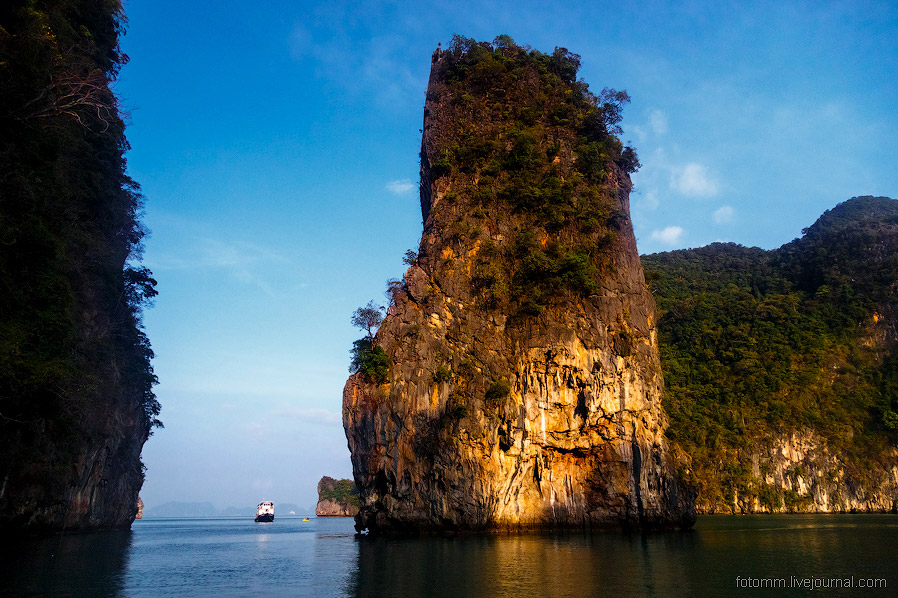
336,498
524,386
76,399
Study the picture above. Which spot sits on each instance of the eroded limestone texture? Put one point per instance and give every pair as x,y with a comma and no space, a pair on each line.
499,413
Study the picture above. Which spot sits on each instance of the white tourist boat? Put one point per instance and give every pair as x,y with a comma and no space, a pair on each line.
265,512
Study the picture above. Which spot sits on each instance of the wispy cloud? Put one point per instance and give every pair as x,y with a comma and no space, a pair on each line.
723,215
693,179
670,235
360,48
654,126
658,122
648,200
243,261
256,430
400,186
237,256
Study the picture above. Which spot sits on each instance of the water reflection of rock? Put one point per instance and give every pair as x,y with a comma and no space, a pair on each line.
568,564
704,562
91,564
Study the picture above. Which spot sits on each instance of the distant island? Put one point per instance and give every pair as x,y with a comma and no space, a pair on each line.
176,509
337,498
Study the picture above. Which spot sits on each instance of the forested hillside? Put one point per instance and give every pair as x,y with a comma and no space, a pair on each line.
76,400
780,366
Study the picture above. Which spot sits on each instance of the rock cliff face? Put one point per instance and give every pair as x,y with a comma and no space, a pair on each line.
331,508
524,387
76,400
336,498
813,478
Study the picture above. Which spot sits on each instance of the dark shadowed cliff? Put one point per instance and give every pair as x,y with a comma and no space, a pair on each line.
76,401
515,382
781,366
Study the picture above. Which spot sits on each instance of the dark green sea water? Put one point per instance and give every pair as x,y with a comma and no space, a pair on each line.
722,556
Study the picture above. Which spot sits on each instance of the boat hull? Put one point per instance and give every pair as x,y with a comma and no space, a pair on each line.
266,518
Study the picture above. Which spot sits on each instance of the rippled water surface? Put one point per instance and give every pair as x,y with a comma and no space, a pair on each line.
723,556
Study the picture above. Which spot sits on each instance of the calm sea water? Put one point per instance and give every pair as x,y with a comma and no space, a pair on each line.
722,556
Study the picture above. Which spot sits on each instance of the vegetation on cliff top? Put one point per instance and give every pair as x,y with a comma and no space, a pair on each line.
344,492
756,344
73,357
523,140
536,171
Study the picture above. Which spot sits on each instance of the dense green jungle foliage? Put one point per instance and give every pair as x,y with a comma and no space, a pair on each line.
72,352
756,344
342,491
526,138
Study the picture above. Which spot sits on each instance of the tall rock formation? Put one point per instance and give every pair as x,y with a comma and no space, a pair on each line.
523,385
76,400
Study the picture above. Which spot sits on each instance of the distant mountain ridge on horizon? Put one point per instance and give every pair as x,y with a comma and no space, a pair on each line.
207,509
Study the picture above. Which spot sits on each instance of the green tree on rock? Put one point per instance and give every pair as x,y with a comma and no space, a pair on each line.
367,358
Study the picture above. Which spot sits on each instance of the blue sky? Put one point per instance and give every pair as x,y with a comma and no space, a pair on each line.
277,147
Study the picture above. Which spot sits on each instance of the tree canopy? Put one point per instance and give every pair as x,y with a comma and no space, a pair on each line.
519,134
757,343
368,318
367,358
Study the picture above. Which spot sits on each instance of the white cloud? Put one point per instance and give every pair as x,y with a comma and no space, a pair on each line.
244,262
256,430
351,46
400,186
649,200
658,122
670,235
723,215
693,179
237,256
